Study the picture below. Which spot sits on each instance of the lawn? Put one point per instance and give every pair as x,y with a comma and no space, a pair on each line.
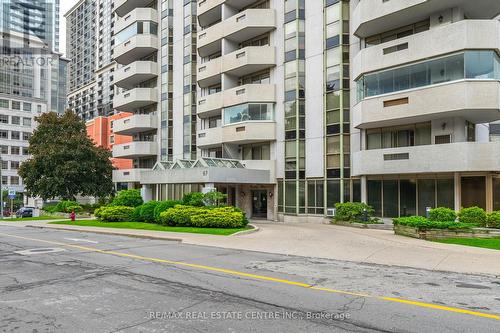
150,226
490,243
39,218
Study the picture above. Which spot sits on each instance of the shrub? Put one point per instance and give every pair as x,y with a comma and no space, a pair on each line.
193,199
163,206
147,210
114,213
493,220
214,198
352,211
67,206
473,215
201,217
442,214
421,223
129,198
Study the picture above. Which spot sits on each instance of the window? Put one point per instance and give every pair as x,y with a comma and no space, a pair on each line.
15,150
14,165
15,135
467,65
25,151
16,105
4,149
442,139
39,108
15,120
397,33
14,180
4,119
27,107
5,180
5,165
248,112
26,136
4,134
256,152
403,136
4,103
26,121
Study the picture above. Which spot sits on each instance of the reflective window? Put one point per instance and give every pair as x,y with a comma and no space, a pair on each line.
138,28
467,65
248,112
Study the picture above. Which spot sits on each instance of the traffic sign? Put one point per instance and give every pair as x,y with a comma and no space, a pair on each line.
12,193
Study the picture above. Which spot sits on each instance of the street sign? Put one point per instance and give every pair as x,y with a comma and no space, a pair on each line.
12,193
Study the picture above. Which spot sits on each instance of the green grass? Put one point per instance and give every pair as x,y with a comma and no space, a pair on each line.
150,226
39,218
487,243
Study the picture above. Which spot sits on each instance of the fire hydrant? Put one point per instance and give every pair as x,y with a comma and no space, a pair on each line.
72,216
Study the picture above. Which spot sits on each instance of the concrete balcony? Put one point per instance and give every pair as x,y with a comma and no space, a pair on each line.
135,124
209,11
261,165
135,48
209,73
137,72
136,98
249,132
249,24
128,175
138,14
376,16
238,28
249,60
135,149
209,138
250,93
453,157
122,7
477,101
462,35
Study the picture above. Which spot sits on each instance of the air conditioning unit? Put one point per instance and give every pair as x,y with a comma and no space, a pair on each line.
330,212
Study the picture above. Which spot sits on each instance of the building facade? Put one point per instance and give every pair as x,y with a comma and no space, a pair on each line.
32,79
292,106
426,87
89,43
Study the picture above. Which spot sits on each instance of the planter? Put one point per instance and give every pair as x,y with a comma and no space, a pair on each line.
446,233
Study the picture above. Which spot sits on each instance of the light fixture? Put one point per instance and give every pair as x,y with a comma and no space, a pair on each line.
443,126
440,18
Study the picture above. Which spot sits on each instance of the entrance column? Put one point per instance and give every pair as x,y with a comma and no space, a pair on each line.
364,190
489,193
458,191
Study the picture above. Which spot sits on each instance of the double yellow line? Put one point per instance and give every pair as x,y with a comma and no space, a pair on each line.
263,278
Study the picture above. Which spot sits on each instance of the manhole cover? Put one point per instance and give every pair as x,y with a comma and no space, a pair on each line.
40,251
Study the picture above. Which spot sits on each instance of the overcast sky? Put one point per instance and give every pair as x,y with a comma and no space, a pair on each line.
65,6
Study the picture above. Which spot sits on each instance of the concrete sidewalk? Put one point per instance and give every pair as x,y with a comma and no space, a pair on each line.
331,242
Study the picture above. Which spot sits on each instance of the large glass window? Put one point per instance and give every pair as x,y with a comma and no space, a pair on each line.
446,193
248,112
374,189
466,65
426,195
395,137
496,193
407,197
137,28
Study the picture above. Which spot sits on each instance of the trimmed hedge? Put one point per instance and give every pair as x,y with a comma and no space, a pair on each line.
147,211
129,198
115,213
193,199
352,212
493,220
422,223
442,214
163,206
473,215
202,217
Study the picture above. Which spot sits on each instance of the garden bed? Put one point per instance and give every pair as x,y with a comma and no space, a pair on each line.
358,225
446,233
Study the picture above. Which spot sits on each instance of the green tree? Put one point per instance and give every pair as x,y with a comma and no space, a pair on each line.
129,198
65,162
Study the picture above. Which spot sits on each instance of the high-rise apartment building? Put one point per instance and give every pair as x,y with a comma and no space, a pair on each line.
292,106
32,78
426,75
89,43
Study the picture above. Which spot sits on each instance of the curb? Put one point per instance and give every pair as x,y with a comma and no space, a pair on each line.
246,232
103,232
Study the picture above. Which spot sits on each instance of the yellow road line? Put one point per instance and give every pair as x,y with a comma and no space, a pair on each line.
264,278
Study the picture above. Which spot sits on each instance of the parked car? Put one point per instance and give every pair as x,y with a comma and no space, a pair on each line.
25,212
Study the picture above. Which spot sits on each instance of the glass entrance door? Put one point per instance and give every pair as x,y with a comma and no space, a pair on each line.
259,204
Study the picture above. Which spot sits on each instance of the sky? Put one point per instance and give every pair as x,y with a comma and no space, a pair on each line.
65,6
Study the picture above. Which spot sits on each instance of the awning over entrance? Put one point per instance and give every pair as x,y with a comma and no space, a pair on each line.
205,170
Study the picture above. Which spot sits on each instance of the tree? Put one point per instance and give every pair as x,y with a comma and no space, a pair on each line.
65,162
129,198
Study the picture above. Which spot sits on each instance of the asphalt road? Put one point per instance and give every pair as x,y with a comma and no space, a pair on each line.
62,281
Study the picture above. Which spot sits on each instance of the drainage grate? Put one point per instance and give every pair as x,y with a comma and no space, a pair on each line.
39,251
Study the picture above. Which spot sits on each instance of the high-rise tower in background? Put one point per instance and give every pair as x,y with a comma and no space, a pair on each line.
32,77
